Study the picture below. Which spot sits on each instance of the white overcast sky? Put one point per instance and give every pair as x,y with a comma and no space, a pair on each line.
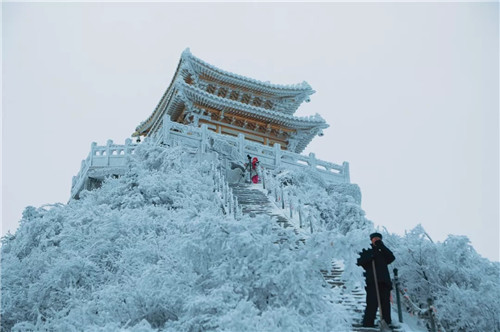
410,90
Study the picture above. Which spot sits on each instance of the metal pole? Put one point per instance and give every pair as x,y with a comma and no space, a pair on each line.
398,299
282,198
236,208
262,171
383,323
431,315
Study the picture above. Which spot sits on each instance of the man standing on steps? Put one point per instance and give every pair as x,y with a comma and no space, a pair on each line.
382,257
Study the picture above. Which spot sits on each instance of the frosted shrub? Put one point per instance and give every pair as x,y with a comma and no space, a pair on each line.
463,285
332,207
152,250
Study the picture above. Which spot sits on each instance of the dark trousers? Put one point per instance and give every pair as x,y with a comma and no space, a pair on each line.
372,303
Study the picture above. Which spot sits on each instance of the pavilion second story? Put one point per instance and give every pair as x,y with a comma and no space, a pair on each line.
230,104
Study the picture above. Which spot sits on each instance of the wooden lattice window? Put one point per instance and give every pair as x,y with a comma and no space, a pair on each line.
222,92
257,101
246,98
234,95
268,104
211,88
189,79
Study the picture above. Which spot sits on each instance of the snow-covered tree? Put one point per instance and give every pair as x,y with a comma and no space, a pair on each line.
463,285
153,250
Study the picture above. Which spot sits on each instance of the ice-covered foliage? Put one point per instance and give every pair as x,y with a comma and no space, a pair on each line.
334,207
152,250
336,216
463,285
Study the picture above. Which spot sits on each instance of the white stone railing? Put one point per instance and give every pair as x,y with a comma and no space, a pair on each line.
271,157
294,209
109,156
203,140
228,201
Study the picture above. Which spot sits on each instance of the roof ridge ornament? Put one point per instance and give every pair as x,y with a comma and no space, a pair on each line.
186,52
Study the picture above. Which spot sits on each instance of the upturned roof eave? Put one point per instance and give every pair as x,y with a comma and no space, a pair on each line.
195,94
149,122
304,88
291,90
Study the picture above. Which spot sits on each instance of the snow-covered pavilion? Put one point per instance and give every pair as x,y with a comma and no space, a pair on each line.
214,112
231,104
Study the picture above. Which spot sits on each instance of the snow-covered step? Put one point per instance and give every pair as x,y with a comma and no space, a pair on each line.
360,328
254,202
353,301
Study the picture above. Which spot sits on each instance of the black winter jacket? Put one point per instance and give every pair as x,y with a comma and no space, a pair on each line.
383,257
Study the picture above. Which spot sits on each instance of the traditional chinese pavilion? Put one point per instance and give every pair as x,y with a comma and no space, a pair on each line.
216,112
231,104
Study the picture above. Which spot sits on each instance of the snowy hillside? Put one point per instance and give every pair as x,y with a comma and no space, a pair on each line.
153,250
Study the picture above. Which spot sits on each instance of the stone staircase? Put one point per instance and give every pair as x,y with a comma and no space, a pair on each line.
253,201
353,300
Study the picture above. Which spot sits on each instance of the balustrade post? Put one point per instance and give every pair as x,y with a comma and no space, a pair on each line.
223,189
229,202
204,137
241,144
108,150
167,124
224,196
263,172
282,198
213,175
312,160
228,199
291,207
216,181
235,207
300,213
345,172
275,188
128,143
310,222
277,154
92,153
221,178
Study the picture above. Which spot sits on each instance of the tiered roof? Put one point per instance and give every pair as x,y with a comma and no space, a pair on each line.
291,95
198,86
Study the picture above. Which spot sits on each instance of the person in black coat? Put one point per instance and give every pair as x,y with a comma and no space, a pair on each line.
382,257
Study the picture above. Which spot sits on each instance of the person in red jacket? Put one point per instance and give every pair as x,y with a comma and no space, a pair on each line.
253,172
382,257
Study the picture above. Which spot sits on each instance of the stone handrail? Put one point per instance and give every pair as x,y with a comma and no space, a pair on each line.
271,157
227,199
110,155
282,198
